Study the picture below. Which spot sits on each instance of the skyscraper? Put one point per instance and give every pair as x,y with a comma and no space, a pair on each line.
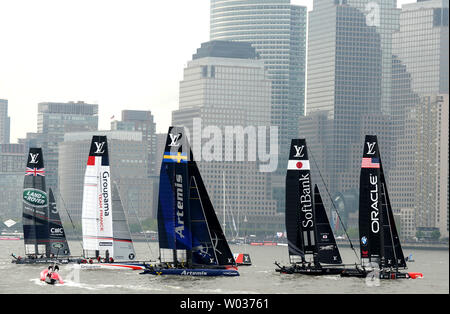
56,119
225,87
141,121
345,87
277,30
12,170
4,122
420,86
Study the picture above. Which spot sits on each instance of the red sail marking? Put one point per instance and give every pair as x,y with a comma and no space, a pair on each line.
91,161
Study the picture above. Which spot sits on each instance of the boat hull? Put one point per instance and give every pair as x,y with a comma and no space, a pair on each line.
115,266
192,272
311,270
385,275
39,261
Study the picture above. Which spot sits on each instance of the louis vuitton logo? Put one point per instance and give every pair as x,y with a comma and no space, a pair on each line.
299,151
174,139
371,148
34,158
99,147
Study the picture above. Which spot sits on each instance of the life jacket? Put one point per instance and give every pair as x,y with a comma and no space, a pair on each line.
44,274
56,276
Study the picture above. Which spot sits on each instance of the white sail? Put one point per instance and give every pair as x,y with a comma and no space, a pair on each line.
97,224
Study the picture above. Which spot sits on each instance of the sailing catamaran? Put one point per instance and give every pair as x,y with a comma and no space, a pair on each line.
106,236
191,241
44,236
380,244
308,229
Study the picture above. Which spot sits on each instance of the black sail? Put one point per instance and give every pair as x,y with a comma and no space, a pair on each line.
378,234
393,253
370,229
57,236
35,206
327,249
299,203
219,244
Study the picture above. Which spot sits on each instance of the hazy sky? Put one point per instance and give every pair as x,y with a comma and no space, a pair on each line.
120,54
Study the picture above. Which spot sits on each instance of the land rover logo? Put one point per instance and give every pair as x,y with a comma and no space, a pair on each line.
58,245
35,197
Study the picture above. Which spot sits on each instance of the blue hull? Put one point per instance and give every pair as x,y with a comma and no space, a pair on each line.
192,272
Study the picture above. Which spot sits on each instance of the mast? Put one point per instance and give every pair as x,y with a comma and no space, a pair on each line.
239,206
224,214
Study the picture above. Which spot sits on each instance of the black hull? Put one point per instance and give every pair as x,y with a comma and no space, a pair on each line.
310,270
386,275
40,261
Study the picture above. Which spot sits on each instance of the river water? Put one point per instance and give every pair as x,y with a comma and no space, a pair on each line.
260,278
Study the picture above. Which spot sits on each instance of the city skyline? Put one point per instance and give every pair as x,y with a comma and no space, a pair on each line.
71,52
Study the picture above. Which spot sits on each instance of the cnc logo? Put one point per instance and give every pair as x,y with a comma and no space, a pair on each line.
174,140
299,151
34,158
371,148
56,231
99,147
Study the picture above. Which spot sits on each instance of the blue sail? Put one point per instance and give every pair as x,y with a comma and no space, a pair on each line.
166,214
173,206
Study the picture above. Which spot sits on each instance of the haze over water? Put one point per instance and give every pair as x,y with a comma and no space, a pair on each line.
259,278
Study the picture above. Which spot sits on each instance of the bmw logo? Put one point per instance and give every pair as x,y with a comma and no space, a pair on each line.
364,240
